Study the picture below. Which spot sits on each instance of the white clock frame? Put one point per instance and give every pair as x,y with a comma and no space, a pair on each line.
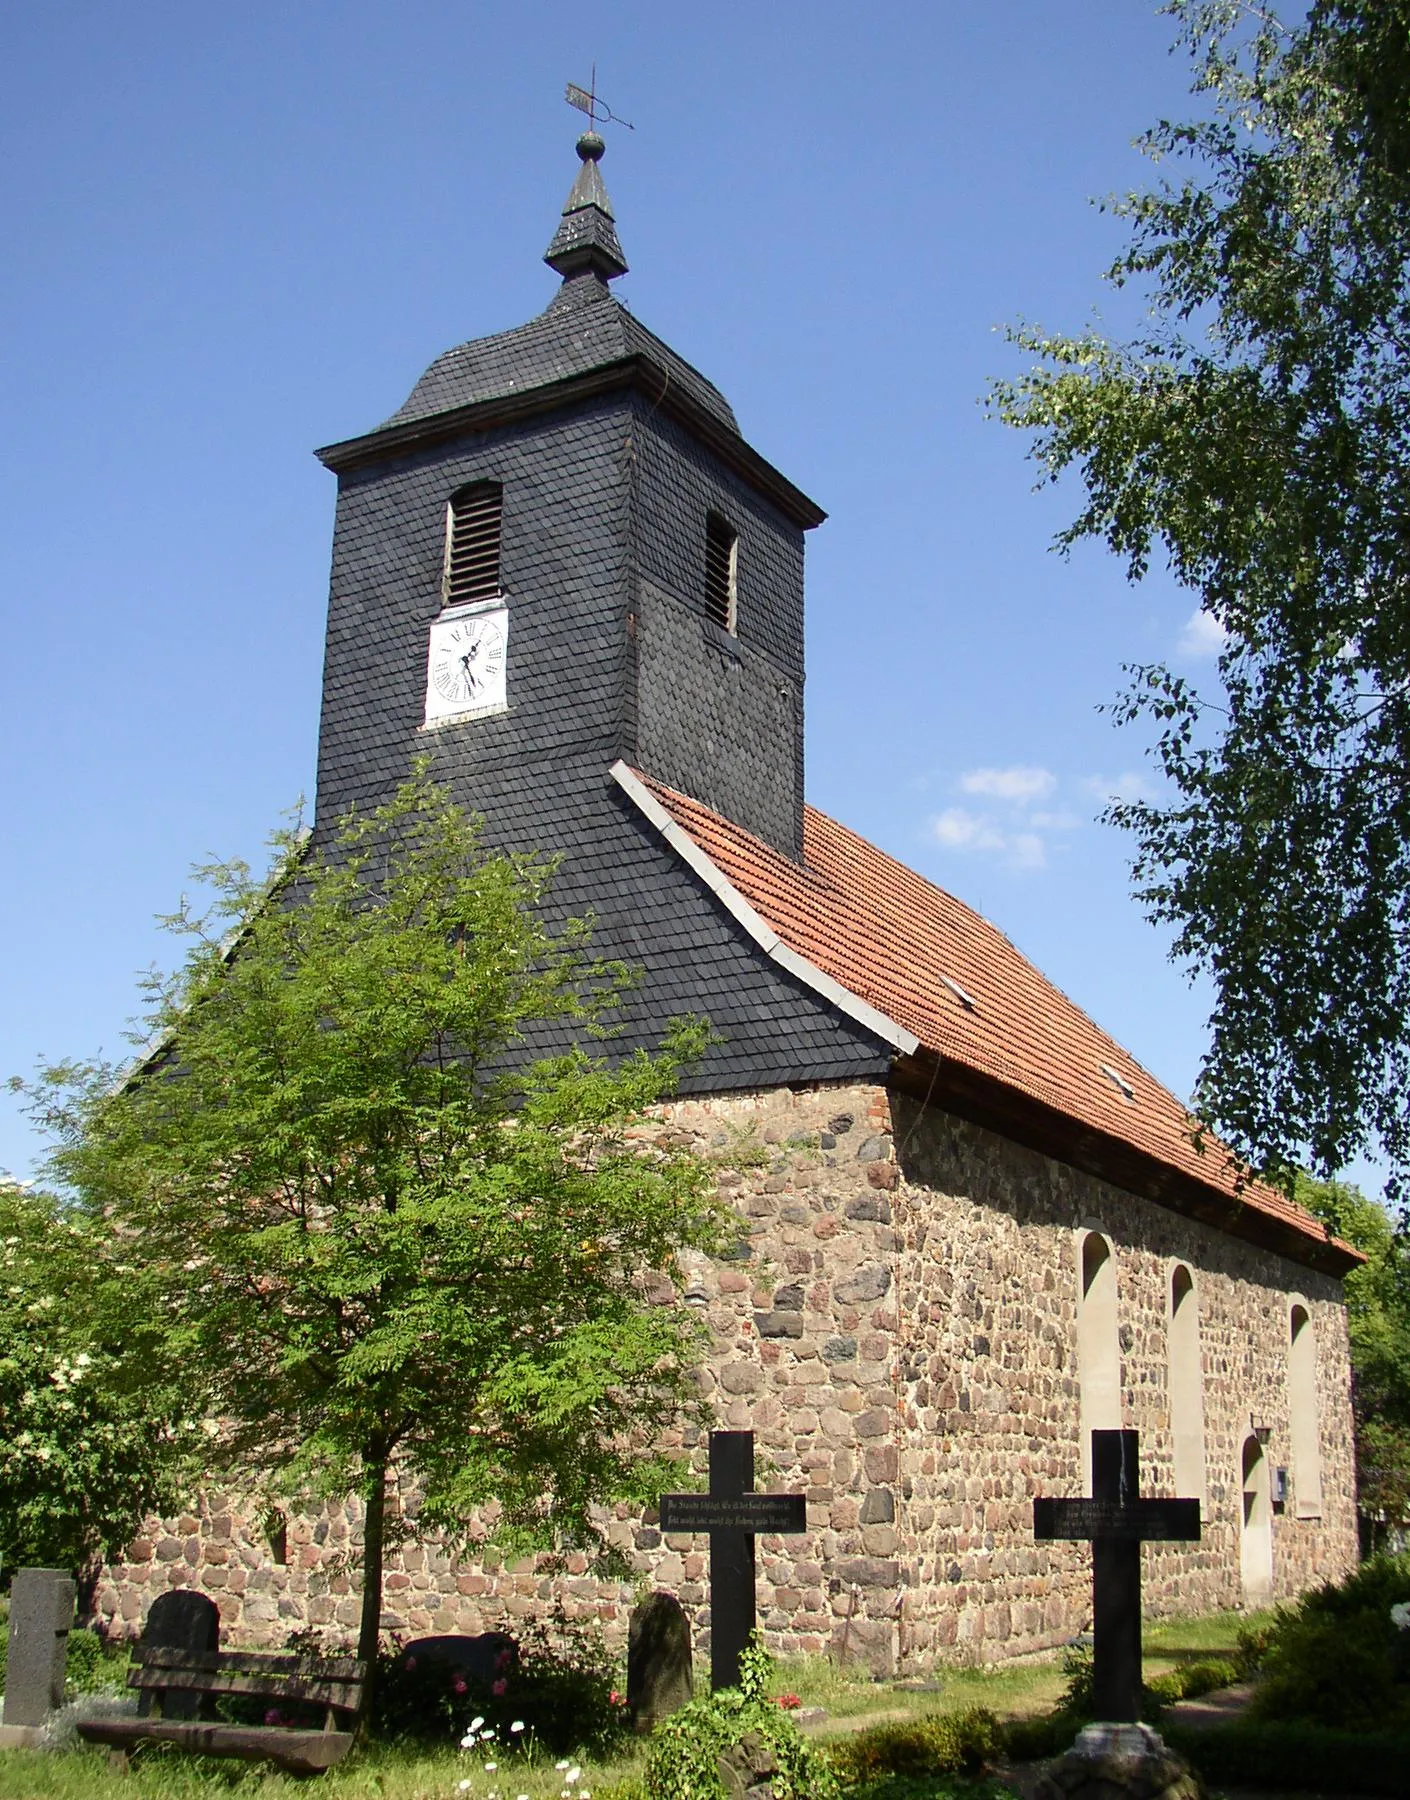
447,629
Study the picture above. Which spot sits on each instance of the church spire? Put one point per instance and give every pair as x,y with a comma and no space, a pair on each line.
586,238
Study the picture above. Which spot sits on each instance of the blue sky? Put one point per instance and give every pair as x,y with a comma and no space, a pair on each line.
237,233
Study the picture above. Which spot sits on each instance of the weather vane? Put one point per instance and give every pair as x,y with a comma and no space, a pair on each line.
586,100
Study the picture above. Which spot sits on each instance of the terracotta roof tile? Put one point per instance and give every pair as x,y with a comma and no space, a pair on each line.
893,938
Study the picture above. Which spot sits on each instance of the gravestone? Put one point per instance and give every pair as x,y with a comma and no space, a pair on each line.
659,1676
1116,1521
485,1658
180,1619
1117,1758
732,1514
41,1615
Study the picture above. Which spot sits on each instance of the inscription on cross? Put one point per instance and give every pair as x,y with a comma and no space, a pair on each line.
733,1515
1117,1521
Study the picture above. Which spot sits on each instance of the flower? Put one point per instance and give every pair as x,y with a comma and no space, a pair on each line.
477,1721
518,1725
461,1685
462,1787
561,1765
500,1687
469,1741
614,1698
488,1732
490,1768
573,1774
272,1716
789,1701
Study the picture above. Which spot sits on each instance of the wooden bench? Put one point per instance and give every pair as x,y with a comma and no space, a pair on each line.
334,1683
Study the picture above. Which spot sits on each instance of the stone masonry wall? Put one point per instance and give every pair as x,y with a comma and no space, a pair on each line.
897,1326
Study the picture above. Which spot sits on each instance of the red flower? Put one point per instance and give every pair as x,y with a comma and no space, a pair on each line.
461,1685
789,1701
497,1688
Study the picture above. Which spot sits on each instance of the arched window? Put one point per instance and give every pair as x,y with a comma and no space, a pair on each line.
1098,1352
1186,1386
1302,1413
472,543
1256,1538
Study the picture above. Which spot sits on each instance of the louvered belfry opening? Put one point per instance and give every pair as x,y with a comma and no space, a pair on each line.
472,549
721,560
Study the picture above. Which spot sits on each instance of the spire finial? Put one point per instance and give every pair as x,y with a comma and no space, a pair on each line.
586,239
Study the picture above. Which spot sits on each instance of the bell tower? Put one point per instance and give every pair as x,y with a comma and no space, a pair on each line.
559,552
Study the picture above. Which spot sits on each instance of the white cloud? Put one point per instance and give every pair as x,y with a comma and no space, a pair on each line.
1018,784
1203,635
1130,784
959,829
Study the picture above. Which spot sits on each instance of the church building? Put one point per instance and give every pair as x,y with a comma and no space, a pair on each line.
971,1228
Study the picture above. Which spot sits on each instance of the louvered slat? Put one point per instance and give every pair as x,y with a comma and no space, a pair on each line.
472,560
720,560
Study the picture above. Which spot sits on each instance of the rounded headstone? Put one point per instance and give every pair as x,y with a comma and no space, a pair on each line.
485,1658
181,1619
660,1678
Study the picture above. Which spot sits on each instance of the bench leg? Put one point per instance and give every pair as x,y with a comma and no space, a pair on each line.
119,1761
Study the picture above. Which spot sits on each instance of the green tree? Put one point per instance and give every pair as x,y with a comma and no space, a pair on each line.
92,1437
1255,435
1378,1320
383,1250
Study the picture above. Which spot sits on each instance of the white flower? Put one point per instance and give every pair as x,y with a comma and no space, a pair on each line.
561,1765
477,1721
1400,1616
490,1768
462,1787
573,1774
488,1733
468,1741
518,1725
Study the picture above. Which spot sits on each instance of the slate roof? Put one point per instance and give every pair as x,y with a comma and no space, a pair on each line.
585,328
897,942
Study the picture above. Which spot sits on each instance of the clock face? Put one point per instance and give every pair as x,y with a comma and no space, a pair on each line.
466,663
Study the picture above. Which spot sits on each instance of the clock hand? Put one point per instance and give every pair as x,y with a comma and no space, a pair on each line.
470,682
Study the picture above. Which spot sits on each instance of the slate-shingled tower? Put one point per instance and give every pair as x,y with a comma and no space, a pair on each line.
972,1227
612,454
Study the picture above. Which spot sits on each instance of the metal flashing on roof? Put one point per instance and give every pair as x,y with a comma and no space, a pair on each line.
965,1000
762,933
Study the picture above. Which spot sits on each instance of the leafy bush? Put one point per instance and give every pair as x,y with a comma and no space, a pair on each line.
934,1744
686,1748
1336,1659
563,1687
94,1666
1295,1757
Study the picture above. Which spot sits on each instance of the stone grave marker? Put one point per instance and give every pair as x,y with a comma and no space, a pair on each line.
732,1514
180,1619
660,1679
41,1616
485,1658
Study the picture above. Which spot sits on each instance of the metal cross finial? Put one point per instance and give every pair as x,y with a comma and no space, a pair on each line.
586,100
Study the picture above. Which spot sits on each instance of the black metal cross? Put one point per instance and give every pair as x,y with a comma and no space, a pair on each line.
1117,1521
732,1513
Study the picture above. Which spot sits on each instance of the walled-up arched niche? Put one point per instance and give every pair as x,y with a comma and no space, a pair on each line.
1256,1539
1302,1413
1186,1386
1098,1351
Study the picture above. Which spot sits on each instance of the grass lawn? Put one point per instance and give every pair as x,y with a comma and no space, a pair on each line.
850,1698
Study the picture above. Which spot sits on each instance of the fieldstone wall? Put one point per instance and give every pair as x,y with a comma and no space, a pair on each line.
897,1324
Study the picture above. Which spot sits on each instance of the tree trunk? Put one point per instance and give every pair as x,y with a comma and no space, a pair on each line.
373,1530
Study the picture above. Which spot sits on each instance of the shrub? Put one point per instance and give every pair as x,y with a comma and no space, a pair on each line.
94,1666
1295,1758
564,1688
686,1748
934,1744
1336,1659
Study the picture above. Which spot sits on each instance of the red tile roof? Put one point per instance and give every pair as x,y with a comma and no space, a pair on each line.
897,941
